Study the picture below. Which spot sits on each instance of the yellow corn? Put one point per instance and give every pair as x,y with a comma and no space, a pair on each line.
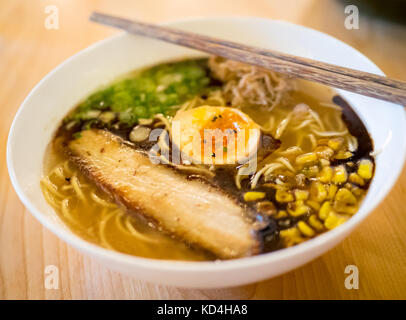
356,179
254,196
324,152
291,236
305,229
318,191
336,143
306,158
297,208
348,186
340,175
331,191
345,196
358,192
311,172
313,204
345,208
345,201
301,194
326,174
365,169
281,214
333,220
324,162
315,223
343,155
283,196
291,232
325,210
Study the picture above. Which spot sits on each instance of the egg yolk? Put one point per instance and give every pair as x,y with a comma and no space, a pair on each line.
225,135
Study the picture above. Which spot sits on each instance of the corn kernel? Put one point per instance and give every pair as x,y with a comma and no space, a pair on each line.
345,208
305,229
297,208
293,242
326,174
358,192
347,185
333,220
313,204
301,194
340,175
266,207
291,236
331,191
318,191
283,196
254,196
290,233
306,158
343,155
315,223
365,169
345,196
336,143
324,152
310,172
281,214
324,162
325,210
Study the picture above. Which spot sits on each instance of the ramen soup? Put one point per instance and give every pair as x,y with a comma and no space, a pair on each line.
204,159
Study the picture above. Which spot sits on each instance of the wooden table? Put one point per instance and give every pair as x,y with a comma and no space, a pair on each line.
28,51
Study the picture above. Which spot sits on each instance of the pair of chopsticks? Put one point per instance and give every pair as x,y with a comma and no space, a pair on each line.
360,82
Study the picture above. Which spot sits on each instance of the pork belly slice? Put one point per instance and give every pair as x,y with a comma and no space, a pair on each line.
193,211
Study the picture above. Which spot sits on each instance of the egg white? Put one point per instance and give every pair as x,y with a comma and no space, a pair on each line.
215,135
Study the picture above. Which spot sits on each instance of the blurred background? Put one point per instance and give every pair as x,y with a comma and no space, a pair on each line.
28,51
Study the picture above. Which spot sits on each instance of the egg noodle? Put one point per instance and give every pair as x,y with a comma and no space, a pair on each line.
281,108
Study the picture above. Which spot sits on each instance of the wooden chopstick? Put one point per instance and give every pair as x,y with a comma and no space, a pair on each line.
360,82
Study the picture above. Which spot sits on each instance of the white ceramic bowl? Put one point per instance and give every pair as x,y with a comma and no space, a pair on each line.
41,112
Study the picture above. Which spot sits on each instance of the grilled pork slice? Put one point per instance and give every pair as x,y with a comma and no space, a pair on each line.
189,209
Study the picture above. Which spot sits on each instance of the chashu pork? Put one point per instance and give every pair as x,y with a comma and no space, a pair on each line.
191,210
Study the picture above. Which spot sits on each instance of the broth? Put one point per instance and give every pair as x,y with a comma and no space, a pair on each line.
94,216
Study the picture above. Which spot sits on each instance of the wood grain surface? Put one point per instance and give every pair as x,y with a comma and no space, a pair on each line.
28,51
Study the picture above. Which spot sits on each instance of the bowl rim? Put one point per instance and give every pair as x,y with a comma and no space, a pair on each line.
194,266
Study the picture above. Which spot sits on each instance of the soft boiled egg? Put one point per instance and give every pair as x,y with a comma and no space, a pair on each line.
215,135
